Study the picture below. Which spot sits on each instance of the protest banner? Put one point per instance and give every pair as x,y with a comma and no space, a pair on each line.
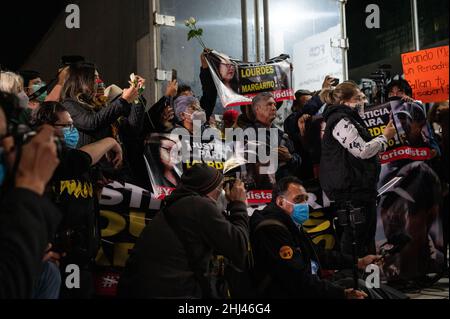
428,74
413,139
238,82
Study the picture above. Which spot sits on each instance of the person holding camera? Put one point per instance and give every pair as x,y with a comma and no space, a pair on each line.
287,262
72,191
28,220
349,165
171,257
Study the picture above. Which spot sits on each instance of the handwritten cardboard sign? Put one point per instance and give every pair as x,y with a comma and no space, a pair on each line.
427,73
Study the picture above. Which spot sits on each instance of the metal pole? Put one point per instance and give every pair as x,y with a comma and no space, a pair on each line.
156,50
266,30
244,30
415,25
257,35
344,36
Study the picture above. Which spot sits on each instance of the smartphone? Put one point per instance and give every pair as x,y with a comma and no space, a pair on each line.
174,75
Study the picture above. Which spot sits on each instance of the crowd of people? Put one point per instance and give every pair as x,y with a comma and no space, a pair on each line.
61,143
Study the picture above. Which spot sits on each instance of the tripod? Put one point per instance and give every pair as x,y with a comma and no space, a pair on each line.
350,217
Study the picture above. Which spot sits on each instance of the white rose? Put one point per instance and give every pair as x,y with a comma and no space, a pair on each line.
192,20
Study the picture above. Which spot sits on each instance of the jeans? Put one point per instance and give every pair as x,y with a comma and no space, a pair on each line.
49,283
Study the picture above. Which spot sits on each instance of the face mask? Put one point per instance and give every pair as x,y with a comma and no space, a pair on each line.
23,100
71,137
199,116
300,213
37,87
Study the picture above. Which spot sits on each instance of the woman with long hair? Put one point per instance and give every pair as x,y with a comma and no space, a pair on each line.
79,98
349,166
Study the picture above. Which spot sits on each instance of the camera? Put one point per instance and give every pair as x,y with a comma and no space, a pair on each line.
23,134
230,180
375,86
350,216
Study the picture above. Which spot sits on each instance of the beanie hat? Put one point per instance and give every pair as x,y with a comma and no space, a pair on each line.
201,178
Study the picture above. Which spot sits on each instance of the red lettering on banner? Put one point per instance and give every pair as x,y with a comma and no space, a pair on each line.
406,152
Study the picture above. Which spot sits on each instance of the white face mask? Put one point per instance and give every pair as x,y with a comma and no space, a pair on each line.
23,100
199,116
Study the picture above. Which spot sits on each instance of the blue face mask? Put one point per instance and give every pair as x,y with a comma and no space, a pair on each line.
300,213
71,137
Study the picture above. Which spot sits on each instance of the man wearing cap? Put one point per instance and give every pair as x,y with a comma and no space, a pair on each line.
171,257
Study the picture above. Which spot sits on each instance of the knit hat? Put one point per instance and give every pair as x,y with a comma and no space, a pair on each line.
201,178
182,103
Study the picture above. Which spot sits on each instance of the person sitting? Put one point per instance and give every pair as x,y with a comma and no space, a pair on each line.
170,258
287,263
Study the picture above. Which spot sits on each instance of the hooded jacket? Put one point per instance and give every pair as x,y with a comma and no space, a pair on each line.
159,266
283,257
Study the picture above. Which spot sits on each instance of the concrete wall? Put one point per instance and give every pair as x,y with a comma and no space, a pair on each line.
108,36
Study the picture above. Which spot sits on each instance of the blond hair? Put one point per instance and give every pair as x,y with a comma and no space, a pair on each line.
342,93
11,82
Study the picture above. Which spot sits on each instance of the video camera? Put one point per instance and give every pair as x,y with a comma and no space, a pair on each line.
375,86
23,134
350,216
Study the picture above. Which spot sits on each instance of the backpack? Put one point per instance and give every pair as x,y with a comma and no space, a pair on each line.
241,283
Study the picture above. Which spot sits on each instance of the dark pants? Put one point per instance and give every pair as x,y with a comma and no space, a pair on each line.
365,232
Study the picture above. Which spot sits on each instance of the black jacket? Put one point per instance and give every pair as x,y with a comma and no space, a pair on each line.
95,125
27,224
209,97
290,276
344,177
306,169
292,167
159,267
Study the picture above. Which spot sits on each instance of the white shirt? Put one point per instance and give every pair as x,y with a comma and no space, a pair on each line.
347,135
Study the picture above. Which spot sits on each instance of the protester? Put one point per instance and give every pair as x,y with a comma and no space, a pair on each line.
287,263
79,92
438,117
27,219
33,85
187,110
399,89
73,192
349,166
263,107
170,259
301,97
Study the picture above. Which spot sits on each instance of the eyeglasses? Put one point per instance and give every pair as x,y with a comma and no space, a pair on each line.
69,126
300,199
